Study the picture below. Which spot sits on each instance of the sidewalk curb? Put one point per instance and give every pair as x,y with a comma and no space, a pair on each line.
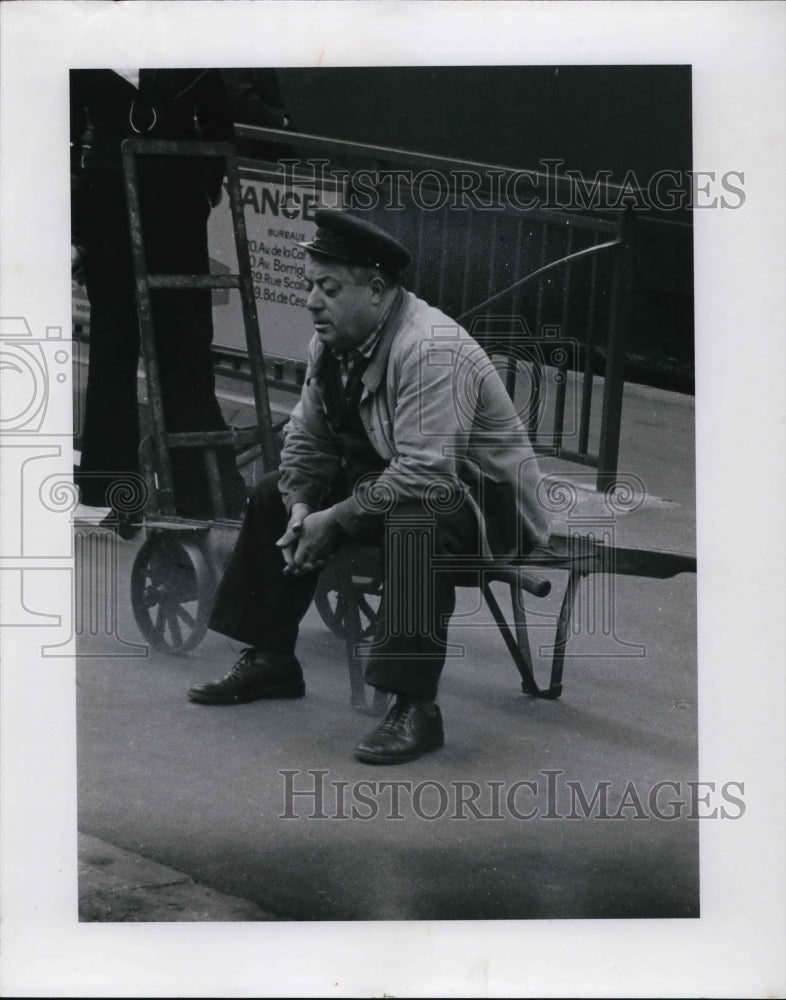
119,886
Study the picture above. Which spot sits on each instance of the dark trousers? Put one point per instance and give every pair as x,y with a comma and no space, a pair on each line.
174,229
257,605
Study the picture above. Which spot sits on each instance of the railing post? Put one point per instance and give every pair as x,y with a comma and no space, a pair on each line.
616,353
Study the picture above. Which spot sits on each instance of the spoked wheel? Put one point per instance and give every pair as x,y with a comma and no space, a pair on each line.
172,590
332,603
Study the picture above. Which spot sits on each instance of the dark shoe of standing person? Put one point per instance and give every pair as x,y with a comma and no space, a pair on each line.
409,730
255,676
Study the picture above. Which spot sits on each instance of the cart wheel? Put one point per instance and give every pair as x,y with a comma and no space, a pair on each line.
331,603
172,591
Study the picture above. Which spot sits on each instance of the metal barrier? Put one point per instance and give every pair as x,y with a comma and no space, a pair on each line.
556,282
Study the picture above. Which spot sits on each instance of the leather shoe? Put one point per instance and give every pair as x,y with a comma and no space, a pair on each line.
252,678
408,731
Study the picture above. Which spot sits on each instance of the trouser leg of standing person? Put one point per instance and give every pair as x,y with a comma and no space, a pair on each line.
110,431
258,605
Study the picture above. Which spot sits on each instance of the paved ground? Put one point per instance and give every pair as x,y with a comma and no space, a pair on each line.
206,792
116,885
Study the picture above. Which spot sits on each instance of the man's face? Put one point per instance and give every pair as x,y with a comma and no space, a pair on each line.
344,313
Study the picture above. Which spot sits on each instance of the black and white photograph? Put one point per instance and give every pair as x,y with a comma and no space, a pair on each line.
473,406
375,576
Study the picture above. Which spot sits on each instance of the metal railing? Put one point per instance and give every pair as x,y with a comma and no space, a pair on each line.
547,290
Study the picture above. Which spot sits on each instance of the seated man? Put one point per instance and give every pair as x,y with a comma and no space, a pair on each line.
402,422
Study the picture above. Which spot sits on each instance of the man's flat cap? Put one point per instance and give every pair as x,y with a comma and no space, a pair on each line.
352,240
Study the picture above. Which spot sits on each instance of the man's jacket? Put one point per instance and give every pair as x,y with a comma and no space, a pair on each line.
435,409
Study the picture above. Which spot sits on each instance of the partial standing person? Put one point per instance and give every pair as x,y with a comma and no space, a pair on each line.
176,197
255,98
402,419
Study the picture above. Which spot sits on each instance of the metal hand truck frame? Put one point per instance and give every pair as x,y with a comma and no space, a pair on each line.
176,570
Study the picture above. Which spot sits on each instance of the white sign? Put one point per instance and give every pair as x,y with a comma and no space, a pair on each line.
278,216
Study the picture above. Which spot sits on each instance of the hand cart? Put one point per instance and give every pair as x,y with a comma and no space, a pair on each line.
350,589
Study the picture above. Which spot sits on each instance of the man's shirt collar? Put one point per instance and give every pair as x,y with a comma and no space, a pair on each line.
348,359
